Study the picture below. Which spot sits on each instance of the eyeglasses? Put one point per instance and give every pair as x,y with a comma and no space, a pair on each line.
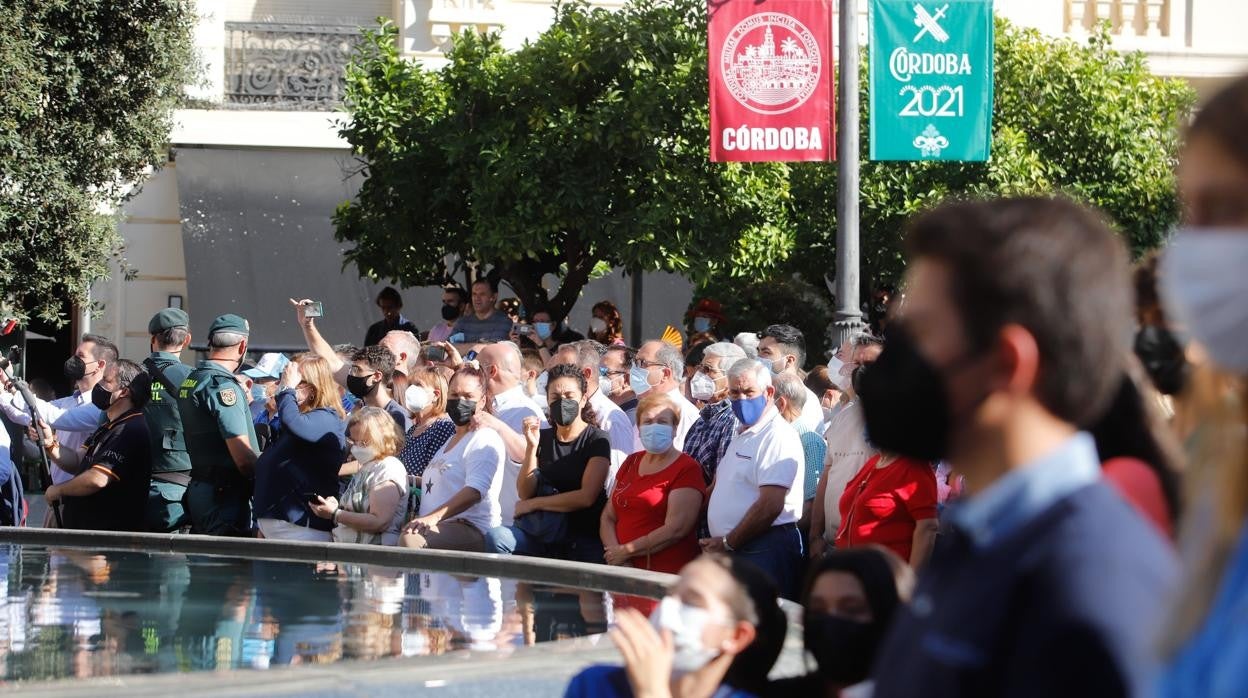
638,363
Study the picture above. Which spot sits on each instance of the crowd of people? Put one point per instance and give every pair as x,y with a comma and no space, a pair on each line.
995,433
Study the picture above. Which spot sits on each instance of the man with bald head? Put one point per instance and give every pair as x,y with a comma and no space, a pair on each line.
509,405
660,368
406,350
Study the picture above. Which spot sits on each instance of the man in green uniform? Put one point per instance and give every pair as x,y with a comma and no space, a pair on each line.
171,466
219,434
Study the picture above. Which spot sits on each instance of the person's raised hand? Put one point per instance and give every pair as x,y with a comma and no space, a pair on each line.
647,654
532,431
300,319
291,378
453,358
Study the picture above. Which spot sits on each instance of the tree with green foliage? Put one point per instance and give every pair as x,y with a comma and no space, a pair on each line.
583,150
89,89
1081,119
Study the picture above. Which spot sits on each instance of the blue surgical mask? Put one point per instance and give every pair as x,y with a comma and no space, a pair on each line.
657,438
701,324
750,410
257,392
639,379
1203,285
543,329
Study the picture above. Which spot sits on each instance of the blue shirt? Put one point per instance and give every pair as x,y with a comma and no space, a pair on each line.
1047,583
304,459
601,681
1214,662
1023,494
708,438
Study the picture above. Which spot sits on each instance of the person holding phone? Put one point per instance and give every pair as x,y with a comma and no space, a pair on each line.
303,462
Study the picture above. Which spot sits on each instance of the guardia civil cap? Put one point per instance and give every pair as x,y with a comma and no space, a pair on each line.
168,319
229,323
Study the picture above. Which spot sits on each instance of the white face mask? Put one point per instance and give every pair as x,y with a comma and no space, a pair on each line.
701,387
686,624
1205,289
834,374
542,381
417,398
364,454
597,325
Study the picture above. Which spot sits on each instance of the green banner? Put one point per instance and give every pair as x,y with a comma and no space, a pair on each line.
931,79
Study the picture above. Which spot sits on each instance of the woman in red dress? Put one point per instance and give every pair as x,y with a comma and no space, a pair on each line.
651,514
891,502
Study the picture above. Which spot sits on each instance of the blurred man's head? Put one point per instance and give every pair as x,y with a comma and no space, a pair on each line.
1017,321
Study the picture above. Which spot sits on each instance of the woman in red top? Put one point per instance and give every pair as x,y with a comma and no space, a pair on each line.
651,514
891,502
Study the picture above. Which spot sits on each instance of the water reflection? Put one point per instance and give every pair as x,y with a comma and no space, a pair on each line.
74,613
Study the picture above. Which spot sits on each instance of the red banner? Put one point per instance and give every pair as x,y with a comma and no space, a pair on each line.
771,80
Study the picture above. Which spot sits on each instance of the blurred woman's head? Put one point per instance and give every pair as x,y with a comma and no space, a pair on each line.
1203,286
851,596
425,396
606,324
317,387
724,608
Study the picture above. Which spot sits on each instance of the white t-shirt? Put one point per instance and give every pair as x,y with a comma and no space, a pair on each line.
688,415
476,462
848,451
812,412
768,453
620,432
511,407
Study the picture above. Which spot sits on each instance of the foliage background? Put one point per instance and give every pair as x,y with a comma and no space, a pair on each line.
87,91
588,148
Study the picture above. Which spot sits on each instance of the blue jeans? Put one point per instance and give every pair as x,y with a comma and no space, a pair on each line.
509,540
779,553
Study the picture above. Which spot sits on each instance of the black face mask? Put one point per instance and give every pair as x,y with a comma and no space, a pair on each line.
905,402
461,411
101,398
449,312
1161,352
360,387
564,411
75,368
843,649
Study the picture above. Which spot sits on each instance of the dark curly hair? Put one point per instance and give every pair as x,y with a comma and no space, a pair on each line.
571,371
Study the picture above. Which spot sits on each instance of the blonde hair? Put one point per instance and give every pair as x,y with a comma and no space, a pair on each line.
653,400
1216,485
314,371
379,429
432,378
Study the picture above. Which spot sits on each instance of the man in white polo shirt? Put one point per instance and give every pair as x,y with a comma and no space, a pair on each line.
756,498
509,405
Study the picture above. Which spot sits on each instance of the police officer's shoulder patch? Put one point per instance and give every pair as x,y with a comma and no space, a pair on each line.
228,397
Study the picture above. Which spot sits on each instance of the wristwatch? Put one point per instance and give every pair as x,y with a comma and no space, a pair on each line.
334,518
724,540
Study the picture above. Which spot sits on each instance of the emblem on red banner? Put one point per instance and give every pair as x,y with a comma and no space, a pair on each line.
771,80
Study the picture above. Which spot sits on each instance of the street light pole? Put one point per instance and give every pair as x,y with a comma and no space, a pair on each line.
848,315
